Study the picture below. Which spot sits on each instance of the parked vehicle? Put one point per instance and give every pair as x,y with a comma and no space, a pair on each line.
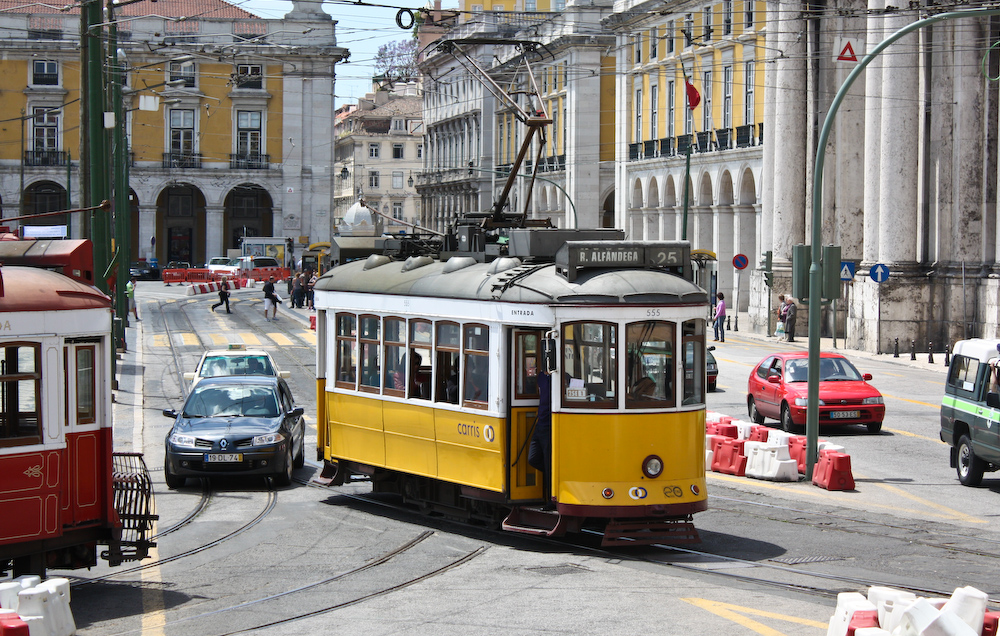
256,267
178,265
235,425
779,384
970,410
236,360
142,270
217,263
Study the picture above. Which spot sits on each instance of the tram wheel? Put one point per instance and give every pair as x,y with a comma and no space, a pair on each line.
970,468
755,415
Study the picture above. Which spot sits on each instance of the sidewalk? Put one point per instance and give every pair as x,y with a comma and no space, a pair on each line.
827,344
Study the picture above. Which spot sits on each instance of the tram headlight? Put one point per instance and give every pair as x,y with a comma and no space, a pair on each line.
182,440
270,438
652,466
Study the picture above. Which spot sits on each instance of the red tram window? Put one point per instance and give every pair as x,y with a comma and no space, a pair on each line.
20,394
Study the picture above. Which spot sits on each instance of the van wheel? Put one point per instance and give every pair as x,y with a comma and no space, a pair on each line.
970,468
755,415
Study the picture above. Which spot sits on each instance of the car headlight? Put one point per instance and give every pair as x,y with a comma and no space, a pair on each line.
805,402
873,400
270,438
182,440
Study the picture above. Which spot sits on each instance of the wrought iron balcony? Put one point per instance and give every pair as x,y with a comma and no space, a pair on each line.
723,138
633,152
744,136
705,141
46,158
683,143
249,161
667,147
649,149
181,160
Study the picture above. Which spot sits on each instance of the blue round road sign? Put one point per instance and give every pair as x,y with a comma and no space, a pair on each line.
740,261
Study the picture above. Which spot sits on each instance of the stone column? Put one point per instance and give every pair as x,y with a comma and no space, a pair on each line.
969,135
873,133
215,242
898,154
767,174
745,236
725,249
147,230
789,126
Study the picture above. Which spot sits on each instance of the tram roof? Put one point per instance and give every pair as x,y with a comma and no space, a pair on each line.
37,289
509,280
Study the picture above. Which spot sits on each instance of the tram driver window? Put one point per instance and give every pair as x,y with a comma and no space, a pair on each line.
694,362
527,362
347,350
20,394
447,351
649,364
590,365
477,365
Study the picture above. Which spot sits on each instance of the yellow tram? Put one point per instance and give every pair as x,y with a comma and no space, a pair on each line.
427,368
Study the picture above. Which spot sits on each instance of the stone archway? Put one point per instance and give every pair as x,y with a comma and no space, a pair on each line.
248,212
180,221
42,197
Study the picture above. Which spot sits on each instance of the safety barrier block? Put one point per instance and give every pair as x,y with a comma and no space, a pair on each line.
825,445
771,462
727,429
776,437
45,608
991,624
711,442
758,433
848,605
969,604
862,619
312,322
833,471
743,429
8,595
13,626
871,631
717,442
61,613
730,458
923,618
889,600
797,450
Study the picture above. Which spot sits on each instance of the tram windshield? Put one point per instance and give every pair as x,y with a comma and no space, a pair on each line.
590,365
649,370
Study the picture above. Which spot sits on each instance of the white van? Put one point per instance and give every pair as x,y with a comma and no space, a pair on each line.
970,410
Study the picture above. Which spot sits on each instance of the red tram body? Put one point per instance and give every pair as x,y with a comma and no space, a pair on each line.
63,491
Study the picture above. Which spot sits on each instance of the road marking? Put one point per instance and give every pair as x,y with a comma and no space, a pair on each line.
190,339
219,339
160,340
735,613
249,338
917,436
281,339
308,336
949,513
153,616
830,495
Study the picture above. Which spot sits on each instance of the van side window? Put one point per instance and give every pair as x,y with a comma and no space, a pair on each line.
963,372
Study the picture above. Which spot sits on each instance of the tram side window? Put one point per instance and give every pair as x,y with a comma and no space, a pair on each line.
419,360
694,362
590,365
86,394
20,394
477,365
527,362
370,340
347,350
649,364
394,380
447,352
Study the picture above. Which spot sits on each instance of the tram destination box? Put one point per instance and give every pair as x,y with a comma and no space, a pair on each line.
546,243
672,256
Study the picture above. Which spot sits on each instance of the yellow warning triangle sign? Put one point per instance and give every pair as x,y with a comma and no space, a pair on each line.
847,53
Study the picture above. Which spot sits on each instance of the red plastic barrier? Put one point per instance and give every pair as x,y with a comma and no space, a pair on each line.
725,419
173,276
713,442
199,275
717,443
991,624
729,458
312,322
833,471
727,430
13,627
797,451
758,433
711,427
862,618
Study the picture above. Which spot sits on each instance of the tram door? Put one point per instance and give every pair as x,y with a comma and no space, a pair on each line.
525,482
86,439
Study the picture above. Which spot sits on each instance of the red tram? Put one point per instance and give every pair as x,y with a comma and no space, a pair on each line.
63,492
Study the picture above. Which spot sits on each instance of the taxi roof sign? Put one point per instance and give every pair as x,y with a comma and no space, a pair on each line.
237,346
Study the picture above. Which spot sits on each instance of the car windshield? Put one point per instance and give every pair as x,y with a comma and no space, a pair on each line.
231,401
215,366
830,370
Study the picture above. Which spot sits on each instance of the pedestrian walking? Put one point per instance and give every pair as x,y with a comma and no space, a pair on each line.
130,294
720,318
223,296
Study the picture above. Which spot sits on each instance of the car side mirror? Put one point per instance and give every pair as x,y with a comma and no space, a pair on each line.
712,348
774,378
297,411
866,377
284,374
993,400
170,413
189,376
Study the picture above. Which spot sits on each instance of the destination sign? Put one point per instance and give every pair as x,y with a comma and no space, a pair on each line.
573,256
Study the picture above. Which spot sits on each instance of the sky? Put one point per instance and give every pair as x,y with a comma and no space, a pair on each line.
360,29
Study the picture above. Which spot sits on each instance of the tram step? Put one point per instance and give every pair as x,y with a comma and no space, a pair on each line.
649,531
546,523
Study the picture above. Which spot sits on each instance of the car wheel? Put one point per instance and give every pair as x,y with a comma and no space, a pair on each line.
300,459
970,468
874,428
284,478
755,415
173,481
711,387
787,424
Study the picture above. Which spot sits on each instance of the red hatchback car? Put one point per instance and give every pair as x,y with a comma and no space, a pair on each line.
778,388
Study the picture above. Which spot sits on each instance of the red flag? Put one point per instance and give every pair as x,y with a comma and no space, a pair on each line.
694,97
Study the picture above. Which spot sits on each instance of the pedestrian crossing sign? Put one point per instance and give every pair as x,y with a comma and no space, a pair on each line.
847,270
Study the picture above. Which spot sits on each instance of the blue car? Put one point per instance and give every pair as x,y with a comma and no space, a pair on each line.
235,425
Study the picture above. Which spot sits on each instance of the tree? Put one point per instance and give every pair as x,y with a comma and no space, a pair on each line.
397,60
